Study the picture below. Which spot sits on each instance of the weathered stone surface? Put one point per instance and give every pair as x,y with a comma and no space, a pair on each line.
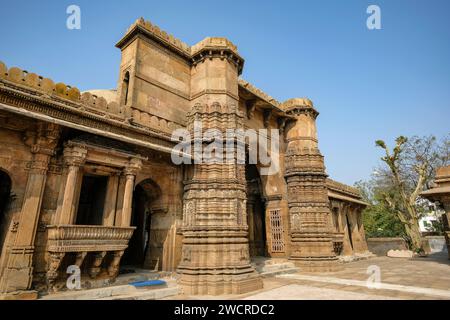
94,184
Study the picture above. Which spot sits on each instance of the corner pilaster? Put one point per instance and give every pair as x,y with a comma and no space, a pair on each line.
18,273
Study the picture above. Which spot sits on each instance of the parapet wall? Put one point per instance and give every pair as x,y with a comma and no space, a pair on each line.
47,87
85,102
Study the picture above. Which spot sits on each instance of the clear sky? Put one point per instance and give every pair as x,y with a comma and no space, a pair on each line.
367,84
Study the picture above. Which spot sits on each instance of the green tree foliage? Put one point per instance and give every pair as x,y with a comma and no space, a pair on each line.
393,191
378,219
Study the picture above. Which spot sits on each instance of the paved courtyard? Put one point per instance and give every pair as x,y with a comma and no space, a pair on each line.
401,278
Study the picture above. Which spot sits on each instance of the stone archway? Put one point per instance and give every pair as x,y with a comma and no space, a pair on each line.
5,196
140,251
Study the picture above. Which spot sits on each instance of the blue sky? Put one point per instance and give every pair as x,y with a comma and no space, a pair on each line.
366,84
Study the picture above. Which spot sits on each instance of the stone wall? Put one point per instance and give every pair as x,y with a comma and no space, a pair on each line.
380,246
437,244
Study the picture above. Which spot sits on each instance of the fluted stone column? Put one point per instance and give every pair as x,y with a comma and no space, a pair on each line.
18,273
109,211
310,229
128,199
74,158
130,176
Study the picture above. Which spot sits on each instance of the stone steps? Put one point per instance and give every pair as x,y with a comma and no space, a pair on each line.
149,294
273,267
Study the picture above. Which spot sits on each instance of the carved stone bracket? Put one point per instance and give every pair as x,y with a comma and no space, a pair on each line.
55,259
267,117
251,106
80,258
282,125
113,268
96,265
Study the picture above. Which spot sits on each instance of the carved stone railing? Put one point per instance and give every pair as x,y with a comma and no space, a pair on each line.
77,238
81,240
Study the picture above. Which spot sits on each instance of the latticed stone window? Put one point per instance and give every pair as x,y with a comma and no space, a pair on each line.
276,227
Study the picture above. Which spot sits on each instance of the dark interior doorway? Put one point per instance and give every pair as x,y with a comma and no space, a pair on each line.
135,254
5,196
142,249
255,213
92,200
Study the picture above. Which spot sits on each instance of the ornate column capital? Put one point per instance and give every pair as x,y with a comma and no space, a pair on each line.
133,167
43,139
75,155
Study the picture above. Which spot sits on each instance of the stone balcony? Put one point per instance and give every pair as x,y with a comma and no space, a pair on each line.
79,240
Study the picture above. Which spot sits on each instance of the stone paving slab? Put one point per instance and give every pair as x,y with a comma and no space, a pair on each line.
303,292
410,279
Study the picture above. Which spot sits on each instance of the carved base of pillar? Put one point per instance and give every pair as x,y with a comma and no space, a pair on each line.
18,273
208,284
314,265
314,253
216,263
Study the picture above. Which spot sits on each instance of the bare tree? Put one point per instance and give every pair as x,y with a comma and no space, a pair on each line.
410,169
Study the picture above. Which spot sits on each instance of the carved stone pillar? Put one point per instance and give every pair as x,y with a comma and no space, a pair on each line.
358,242
251,226
74,157
130,175
18,273
311,233
347,241
109,211
215,255
362,234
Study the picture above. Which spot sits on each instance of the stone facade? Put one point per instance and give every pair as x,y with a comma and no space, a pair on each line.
87,179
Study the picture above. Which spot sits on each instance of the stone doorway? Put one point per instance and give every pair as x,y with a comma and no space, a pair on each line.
256,217
92,200
5,196
142,251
